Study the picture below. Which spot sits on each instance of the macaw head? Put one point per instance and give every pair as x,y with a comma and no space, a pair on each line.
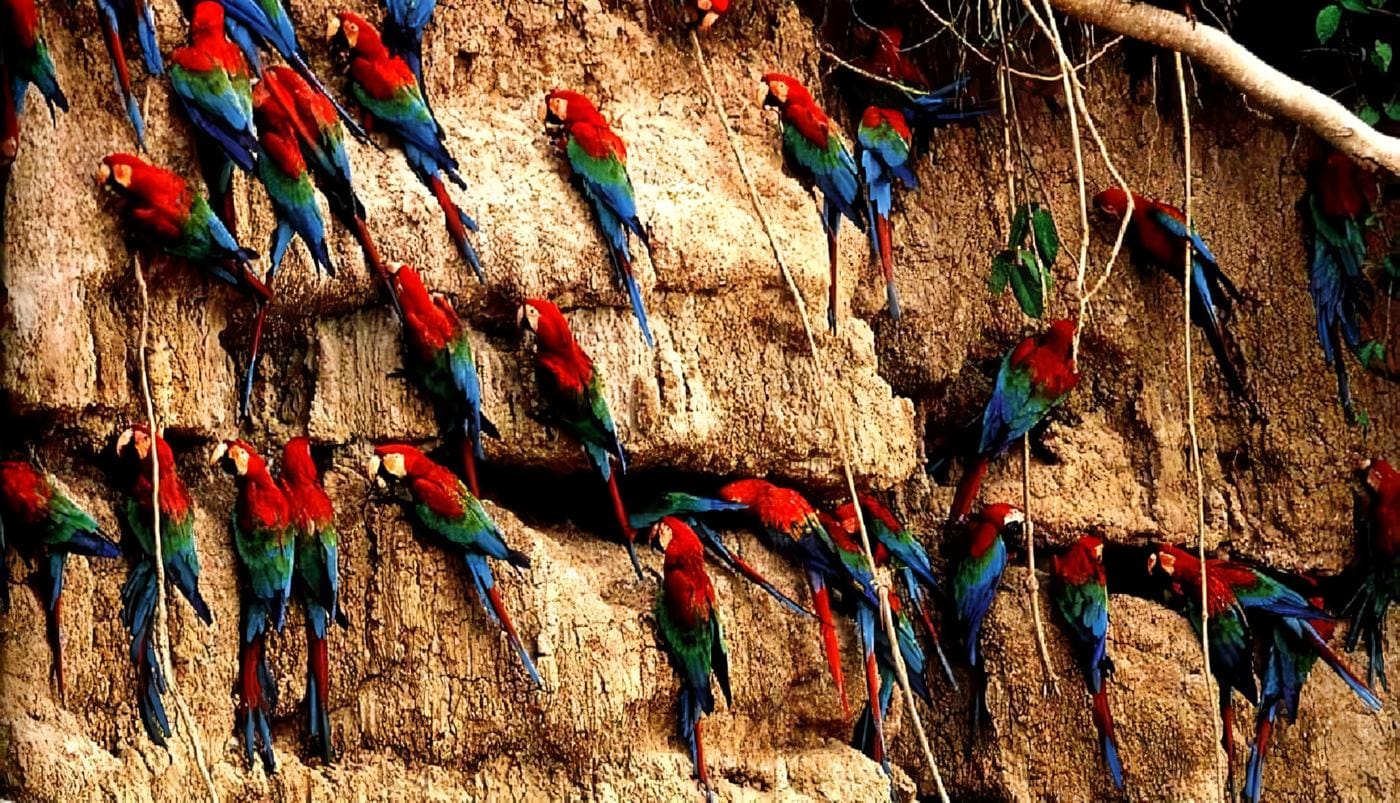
784,89
119,172
239,458
1093,545
297,464
547,322
1343,188
564,106
349,31
407,282
745,492
1379,476
134,447
705,13
1008,519
676,539
208,22
393,462
1114,202
1170,561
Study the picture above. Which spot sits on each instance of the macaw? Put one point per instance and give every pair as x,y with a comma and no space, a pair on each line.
446,508
885,140
977,570
865,735
688,621
1080,594
26,56
815,152
45,526
897,542
598,160
164,213
1378,529
1158,235
293,104
1334,211
136,450
283,171
268,23
118,17
573,394
858,592
703,14
687,508
915,99
403,33
214,85
316,578
265,541
440,361
1034,378
385,88
792,526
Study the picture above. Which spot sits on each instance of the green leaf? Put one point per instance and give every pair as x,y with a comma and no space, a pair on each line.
1328,19
1047,239
1355,5
1368,114
1026,284
1363,419
1392,110
1371,354
1003,265
1380,56
1019,223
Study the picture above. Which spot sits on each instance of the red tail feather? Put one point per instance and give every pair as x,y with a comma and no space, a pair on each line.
469,465
319,663
249,689
454,216
833,258
499,607
1103,717
619,509
822,602
967,491
700,757
114,46
872,687
882,235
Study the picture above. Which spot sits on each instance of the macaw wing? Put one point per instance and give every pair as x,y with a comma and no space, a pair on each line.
691,648
404,111
719,656
411,14
831,168
66,518
605,181
1177,227
886,145
267,556
464,376
975,584
218,110
1011,412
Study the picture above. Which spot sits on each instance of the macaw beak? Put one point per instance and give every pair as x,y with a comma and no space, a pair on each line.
708,21
373,470
124,440
521,320
104,173
769,99
220,458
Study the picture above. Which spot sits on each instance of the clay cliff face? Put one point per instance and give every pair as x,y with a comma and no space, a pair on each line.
427,701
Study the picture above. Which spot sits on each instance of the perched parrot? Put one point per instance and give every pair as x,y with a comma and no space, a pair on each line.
440,361
268,24
914,98
136,450
703,14
1034,378
977,570
884,141
688,621
316,579
896,542
214,85
815,152
403,33
792,527
573,394
265,540
858,592
865,735
283,171
444,507
1080,594
45,526
1334,211
1379,532
598,159
163,213
26,56
688,508
385,88
1158,235
118,17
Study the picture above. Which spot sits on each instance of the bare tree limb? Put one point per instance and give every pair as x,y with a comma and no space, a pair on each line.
1265,85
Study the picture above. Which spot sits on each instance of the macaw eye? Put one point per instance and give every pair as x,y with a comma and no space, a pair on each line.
393,463
704,5
779,90
122,173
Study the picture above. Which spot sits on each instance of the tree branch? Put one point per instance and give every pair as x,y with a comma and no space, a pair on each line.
1265,85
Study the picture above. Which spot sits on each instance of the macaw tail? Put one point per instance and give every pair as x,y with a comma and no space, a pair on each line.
821,600
257,696
921,607
491,599
831,220
262,297
52,578
1103,722
469,464
360,228
967,489
146,36
111,34
1227,736
882,237
458,224
1254,770
1208,318
1325,652
978,712
629,535
91,544
623,267
739,565
865,624
1369,606
318,715
690,711
138,612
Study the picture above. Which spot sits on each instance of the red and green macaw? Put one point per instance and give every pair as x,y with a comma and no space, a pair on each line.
816,154
265,540
977,568
118,17
440,361
1378,530
403,33
1080,594
214,85
26,56
688,621
316,579
921,105
598,159
45,526
865,735
284,174
688,508
894,541
573,394
1158,236
792,527
386,89
444,507
885,142
136,449
703,14
1334,213
163,213
1034,378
